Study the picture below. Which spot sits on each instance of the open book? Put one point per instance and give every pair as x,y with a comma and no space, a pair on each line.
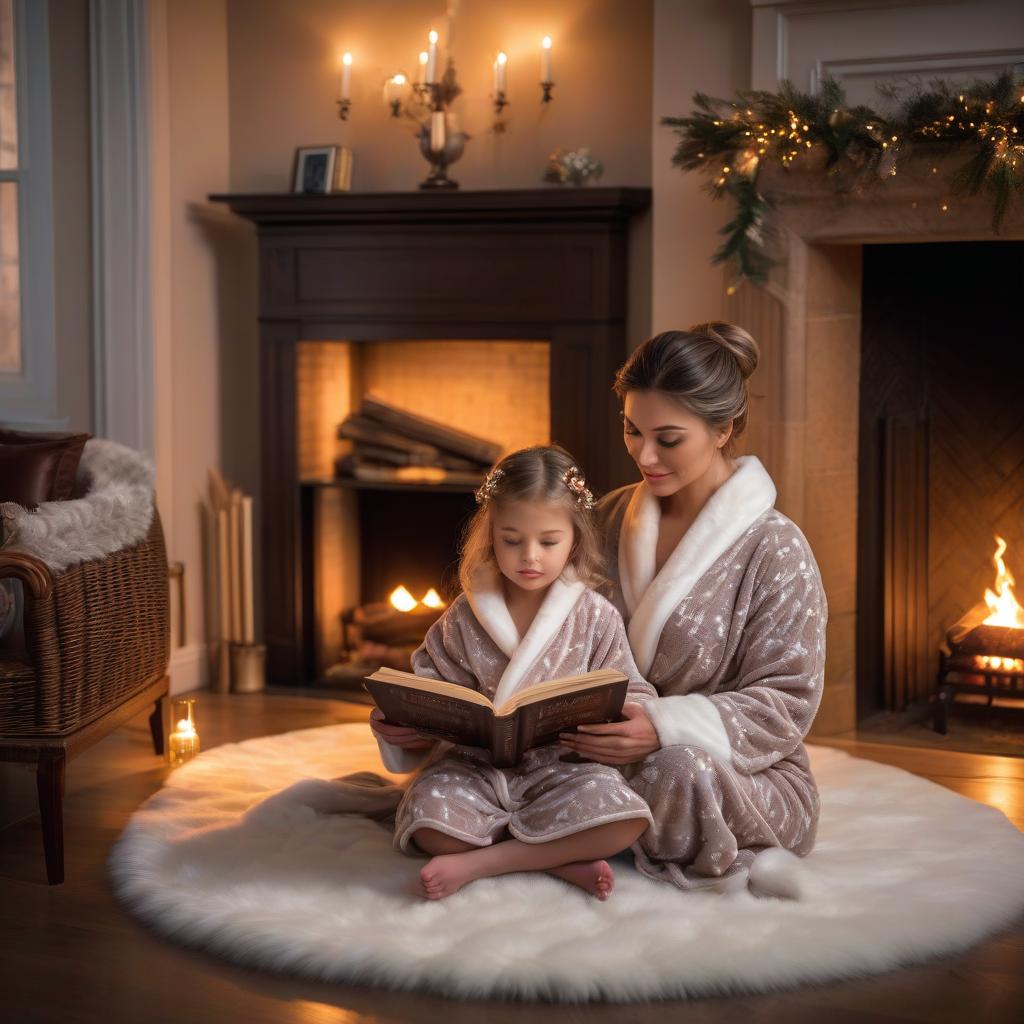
530,718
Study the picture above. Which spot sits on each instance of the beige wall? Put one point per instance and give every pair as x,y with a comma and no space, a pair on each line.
189,127
699,45
72,199
238,84
284,80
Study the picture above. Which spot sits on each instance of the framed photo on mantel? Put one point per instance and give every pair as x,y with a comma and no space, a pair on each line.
322,169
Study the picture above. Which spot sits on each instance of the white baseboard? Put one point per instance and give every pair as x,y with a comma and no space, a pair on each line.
188,669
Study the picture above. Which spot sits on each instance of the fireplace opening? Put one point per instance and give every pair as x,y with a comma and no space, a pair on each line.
379,539
941,483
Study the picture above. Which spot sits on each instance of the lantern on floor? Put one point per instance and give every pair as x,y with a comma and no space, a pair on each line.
183,742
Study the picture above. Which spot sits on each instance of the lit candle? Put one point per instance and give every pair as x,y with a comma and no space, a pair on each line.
183,743
545,60
346,77
500,68
437,136
432,58
421,75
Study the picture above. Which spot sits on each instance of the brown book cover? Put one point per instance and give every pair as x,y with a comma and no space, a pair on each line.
429,431
531,718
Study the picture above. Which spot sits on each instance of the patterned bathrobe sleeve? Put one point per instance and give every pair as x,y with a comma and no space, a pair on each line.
442,655
777,687
611,650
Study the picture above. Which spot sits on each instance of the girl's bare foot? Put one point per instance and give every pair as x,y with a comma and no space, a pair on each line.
593,876
446,873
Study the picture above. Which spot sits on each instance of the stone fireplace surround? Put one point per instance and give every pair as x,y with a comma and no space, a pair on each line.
807,319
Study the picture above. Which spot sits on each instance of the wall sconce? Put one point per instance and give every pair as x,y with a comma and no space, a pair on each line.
395,89
547,81
500,82
345,87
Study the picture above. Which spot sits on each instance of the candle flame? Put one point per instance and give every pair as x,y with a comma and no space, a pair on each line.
546,42
1003,607
401,599
399,79
424,56
185,728
432,599
432,36
347,59
502,58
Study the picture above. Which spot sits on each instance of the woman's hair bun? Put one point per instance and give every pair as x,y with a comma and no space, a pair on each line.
735,340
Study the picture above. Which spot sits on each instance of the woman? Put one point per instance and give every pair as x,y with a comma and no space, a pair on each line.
726,617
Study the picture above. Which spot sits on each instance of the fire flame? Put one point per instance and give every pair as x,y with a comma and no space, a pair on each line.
432,599
401,599
1003,607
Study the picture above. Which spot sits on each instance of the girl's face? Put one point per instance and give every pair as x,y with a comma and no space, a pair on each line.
532,542
671,446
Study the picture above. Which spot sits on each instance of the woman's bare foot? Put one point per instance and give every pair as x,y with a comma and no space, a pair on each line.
446,873
593,876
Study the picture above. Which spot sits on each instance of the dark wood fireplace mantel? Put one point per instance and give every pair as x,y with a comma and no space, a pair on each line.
531,264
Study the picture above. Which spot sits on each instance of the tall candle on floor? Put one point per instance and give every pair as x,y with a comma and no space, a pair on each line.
432,58
437,136
248,612
346,77
545,60
500,71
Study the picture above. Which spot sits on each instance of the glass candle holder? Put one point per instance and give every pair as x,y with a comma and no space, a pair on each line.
183,742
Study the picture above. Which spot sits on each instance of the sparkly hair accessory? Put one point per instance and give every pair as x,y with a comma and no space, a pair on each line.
578,485
483,495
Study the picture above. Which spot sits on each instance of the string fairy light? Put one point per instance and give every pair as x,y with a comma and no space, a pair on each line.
736,140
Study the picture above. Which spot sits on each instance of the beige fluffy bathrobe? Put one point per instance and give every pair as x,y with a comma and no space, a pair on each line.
476,644
731,632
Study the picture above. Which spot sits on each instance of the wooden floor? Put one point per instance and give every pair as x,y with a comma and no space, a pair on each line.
71,954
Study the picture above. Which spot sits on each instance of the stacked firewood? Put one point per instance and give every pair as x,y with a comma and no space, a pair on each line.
393,445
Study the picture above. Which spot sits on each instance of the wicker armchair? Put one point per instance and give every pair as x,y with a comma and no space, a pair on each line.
97,645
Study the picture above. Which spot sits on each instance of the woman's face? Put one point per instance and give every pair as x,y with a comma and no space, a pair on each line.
671,446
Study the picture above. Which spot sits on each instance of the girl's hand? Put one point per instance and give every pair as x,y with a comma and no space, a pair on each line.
616,742
399,735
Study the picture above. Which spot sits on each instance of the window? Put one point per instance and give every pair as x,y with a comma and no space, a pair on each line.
28,370
10,277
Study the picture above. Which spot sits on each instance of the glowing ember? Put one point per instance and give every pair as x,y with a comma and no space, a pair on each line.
1006,664
1004,610
432,599
401,599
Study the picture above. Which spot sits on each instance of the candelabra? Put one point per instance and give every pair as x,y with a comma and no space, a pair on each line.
428,102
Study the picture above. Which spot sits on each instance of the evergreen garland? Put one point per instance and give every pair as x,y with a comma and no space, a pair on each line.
732,140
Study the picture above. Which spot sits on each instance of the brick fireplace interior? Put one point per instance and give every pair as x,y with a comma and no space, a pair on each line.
366,540
941,457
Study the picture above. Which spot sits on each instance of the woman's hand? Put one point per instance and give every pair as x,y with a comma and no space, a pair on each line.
616,742
399,735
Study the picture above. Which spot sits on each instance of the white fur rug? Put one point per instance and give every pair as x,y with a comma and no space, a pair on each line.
232,857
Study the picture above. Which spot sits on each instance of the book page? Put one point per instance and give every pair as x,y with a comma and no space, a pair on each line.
439,686
539,691
561,686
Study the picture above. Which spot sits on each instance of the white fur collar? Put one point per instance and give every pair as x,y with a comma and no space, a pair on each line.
487,599
650,598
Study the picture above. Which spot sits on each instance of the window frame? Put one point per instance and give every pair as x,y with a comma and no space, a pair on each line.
29,398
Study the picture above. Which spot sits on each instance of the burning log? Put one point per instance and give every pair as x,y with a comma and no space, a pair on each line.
995,627
391,629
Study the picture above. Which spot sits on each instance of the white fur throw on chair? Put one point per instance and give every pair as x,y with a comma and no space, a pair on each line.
115,512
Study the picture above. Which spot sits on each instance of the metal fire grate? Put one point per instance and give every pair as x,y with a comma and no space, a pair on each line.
986,661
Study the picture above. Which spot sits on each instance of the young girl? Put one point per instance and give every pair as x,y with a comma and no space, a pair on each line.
526,614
